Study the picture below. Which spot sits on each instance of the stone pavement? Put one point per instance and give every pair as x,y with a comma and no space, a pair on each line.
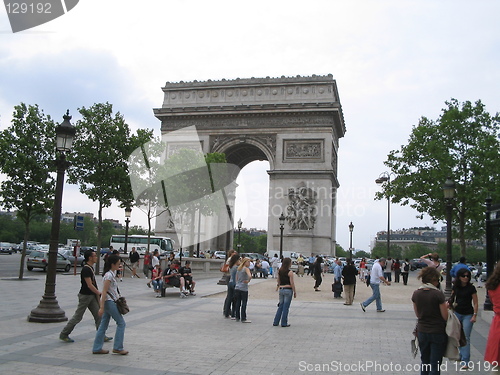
175,336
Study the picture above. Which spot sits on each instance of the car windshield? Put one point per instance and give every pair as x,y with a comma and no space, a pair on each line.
38,254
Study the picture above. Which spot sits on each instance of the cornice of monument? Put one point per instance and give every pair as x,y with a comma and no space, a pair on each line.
253,96
249,81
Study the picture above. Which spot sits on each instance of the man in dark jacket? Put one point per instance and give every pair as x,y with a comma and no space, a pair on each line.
349,274
134,261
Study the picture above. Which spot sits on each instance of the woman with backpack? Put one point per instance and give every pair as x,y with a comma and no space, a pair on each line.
405,269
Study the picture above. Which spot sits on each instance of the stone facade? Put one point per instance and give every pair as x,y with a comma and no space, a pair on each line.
293,122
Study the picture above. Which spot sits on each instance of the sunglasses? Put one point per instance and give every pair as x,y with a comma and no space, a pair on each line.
467,276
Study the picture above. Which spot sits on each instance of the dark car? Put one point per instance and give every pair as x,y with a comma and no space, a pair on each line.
417,264
5,248
105,250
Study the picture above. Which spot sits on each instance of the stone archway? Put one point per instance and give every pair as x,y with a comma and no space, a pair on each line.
295,123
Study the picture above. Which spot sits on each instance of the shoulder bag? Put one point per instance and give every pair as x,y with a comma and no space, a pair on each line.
121,303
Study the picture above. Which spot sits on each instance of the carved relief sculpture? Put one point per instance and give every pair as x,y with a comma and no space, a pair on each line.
301,208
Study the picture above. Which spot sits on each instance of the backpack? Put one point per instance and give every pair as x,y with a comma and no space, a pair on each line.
406,267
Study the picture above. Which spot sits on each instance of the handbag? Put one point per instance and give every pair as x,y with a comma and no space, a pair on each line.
224,268
121,304
414,342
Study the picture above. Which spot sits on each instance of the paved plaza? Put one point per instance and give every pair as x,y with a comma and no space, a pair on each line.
175,336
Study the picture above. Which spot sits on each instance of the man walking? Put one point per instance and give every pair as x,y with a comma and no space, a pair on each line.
88,298
376,277
134,261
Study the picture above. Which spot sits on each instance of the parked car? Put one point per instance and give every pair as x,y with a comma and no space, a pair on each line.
417,264
253,256
68,254
220,255
5,248
104,251
40,259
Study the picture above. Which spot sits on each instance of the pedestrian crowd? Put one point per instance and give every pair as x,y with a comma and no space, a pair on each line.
435,314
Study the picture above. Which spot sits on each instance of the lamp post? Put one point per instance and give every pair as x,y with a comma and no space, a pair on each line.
449,192
48,310
351,228
386,177
282,226
128,212
240,223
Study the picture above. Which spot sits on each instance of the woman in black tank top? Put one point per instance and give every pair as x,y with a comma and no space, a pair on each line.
286,287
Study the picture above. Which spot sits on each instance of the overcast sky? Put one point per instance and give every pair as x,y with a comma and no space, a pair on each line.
394,61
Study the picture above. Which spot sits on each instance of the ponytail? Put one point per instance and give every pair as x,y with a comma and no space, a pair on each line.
112,259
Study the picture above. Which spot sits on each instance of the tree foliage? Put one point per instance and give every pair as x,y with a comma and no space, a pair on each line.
27,151
462,144
102,146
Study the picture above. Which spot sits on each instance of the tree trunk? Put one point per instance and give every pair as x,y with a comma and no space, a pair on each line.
99,240
23,252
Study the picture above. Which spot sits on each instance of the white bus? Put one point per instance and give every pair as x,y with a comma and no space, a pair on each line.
162,244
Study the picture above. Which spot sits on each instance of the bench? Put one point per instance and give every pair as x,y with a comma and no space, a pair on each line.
164,287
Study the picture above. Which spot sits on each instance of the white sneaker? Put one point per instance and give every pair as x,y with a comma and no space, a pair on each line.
182,295
246,321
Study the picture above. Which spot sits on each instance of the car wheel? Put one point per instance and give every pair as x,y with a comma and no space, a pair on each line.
44,269
30,268
67,268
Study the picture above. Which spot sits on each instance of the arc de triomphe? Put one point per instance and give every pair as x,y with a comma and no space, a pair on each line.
294,123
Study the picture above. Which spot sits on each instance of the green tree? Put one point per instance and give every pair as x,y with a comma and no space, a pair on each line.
380,250
194,177
102,146
27,152
362,254
462,144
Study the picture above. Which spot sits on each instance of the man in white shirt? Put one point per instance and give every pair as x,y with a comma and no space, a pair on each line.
265,268
376,277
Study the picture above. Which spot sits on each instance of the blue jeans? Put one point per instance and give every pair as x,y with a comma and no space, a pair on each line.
286,295
467,325
156,284
229,303
241,304
110,311
432,347
374,297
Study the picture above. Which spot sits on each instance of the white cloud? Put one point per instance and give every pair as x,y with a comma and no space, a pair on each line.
394,61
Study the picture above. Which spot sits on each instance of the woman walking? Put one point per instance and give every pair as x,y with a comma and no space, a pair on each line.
431,310
243,277
465,296
229,303
109,310
492,352
286,287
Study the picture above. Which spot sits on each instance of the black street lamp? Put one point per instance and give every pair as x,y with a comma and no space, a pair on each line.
240,223
48,310
282,226
351,228
449,192
386,177
128,212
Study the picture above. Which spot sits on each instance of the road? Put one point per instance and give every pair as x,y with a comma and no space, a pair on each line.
9,267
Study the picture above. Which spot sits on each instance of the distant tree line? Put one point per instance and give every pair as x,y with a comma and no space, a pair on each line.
12,230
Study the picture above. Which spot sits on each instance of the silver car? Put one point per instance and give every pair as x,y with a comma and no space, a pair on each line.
40,259
68,254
